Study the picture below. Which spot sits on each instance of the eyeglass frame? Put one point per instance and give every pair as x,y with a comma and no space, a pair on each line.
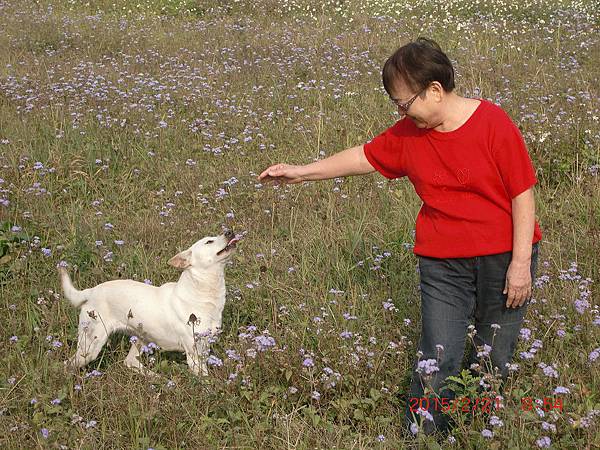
405,106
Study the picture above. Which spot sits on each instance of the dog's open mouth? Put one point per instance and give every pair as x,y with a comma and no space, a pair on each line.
230,245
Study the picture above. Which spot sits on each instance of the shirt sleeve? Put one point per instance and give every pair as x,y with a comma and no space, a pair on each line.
384,152
512,159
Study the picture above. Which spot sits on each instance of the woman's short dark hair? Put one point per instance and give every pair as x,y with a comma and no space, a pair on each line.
418,64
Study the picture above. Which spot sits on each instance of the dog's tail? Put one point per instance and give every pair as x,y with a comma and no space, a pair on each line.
77,298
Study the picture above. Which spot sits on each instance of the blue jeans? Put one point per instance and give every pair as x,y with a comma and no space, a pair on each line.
455,292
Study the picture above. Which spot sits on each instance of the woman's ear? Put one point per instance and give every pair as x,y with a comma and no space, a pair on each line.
436,90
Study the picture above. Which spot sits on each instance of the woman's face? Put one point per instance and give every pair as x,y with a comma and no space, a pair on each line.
422,106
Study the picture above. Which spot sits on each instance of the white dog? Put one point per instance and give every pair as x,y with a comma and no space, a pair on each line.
175,316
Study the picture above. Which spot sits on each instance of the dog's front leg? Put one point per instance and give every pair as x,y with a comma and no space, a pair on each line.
196,355
196,363
133,362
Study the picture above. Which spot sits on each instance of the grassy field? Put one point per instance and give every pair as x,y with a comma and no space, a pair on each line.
131,129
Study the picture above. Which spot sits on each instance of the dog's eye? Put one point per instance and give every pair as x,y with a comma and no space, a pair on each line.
209,242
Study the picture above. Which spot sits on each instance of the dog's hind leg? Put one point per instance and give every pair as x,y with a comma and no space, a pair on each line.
90,342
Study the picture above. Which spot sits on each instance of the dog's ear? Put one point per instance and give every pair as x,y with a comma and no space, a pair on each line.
182,260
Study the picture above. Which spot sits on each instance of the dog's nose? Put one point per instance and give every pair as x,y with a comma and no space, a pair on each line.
229,234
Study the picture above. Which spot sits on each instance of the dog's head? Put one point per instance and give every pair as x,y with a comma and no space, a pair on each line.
207,252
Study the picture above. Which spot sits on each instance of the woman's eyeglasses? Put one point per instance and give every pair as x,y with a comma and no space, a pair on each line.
404,106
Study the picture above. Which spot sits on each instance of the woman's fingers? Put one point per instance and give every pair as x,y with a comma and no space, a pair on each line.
284,173
270,172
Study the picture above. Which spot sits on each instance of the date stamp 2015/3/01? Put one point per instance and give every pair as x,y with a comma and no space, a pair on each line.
480,404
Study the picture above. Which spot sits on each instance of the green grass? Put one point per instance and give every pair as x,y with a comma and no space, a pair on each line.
100,77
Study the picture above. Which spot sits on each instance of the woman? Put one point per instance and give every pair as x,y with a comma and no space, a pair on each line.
476,234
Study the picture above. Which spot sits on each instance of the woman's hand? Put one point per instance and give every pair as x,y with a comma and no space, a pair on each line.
518,284
282,173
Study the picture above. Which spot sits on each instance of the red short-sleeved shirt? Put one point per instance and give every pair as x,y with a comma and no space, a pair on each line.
466,179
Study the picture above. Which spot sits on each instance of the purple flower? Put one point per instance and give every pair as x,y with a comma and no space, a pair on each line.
525,334
526,355
212,360
232,354
581,305
389,306
94,373
586,422
45,433
46,251
263,342
56,401
512,367
496,422
13,339
561,390
592,357
414,428
485,351
488,434
428,366
381,438
549,427
308,362
549,371
543,442
425,413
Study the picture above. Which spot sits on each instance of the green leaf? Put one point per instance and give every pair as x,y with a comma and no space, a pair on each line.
358,414
375,394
